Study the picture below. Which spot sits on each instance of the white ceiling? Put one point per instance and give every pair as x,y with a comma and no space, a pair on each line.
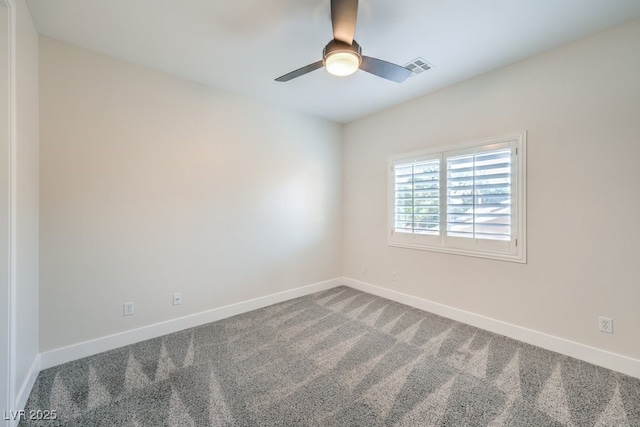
243,45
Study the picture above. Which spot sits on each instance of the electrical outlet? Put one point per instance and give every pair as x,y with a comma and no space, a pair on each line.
177,298
128,309
364,268
394,276
605,324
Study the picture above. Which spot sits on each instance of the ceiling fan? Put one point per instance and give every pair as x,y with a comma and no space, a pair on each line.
342,56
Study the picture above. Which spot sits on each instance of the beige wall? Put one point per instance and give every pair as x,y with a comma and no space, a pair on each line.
27,195
581,107
152,185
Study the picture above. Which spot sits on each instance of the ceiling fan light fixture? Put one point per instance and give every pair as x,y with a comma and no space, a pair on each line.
342,59
342,63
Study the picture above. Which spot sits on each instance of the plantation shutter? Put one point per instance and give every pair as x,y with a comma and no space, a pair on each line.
416,191
478,194
467,199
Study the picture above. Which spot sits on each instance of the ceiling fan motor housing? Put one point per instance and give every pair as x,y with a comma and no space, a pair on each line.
336,46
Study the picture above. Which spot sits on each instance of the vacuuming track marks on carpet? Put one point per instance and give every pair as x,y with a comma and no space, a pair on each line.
335,358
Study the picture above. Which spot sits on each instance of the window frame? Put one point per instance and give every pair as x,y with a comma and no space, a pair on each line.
515,248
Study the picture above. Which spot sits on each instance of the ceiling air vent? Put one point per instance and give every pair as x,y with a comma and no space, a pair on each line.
417,66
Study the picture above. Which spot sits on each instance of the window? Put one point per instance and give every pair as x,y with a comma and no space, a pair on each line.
466,199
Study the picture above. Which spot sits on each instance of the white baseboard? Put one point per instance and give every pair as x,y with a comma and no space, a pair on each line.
596,356
73,352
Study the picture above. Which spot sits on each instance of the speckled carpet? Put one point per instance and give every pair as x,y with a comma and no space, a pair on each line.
335,358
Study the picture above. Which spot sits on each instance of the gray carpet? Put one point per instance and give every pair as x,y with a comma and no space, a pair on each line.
335,358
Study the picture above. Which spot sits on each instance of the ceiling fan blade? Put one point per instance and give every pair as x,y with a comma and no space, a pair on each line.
343,18
300,71
384,69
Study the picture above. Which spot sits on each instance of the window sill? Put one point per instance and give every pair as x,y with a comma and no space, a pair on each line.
519,258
